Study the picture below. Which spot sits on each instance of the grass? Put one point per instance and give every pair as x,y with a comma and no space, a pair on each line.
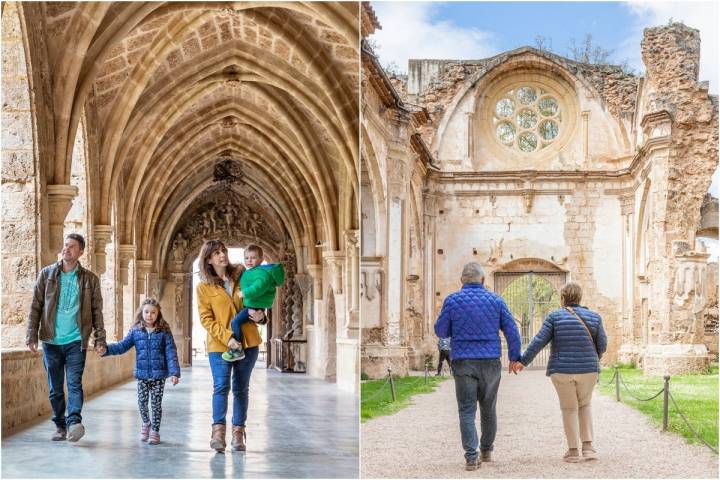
696,396
376,399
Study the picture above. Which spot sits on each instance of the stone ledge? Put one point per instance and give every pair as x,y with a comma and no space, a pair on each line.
25,388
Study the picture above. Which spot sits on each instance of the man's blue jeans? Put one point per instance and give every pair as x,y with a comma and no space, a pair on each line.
477,381
222,372
61,361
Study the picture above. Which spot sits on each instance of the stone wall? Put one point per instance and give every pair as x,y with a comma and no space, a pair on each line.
19,184
25,388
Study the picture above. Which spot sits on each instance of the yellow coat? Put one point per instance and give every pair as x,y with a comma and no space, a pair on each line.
216,309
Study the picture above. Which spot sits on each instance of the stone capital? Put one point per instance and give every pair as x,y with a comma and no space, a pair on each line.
335,261
125,254
59,198
315,271
102,235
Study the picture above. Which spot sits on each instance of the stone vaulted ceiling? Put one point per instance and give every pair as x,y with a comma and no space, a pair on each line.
167,90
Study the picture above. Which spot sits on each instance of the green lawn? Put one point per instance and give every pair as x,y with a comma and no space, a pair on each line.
376,398
696,395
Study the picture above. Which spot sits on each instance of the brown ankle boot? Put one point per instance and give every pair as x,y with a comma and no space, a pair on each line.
238,438
217,440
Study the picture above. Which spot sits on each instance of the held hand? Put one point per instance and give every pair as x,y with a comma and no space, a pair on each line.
234,344
257,316
517,367
100,350
33,346
239,294
175,380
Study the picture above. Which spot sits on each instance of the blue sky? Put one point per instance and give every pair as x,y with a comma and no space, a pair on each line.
471,30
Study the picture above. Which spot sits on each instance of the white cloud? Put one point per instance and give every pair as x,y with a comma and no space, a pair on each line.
702,15
411,30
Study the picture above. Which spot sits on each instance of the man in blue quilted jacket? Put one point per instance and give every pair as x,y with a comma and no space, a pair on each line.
473,318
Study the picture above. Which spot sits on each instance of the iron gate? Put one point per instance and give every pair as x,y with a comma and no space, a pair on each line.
530,296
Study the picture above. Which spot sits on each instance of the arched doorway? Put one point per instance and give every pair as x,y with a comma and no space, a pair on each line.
531,290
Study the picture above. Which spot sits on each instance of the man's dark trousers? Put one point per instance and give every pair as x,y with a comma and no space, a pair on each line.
477,381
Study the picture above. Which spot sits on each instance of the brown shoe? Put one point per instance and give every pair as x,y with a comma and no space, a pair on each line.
588,452
238,438
572,456
486,455
217,440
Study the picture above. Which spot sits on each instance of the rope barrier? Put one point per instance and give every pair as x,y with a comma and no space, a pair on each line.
377,394
690,426
635,397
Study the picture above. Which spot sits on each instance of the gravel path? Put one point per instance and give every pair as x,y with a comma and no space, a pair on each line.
423,440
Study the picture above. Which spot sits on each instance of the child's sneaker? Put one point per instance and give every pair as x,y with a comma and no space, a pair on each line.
144,432
233,355
154,438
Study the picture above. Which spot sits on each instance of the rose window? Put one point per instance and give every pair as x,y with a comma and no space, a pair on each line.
527,119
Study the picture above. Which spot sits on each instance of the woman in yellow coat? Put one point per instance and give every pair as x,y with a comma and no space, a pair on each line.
218,303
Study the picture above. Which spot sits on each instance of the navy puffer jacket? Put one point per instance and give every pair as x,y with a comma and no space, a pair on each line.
155,353
571,349
473,318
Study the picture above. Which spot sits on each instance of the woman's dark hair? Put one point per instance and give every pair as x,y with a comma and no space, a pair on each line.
207,271
160,324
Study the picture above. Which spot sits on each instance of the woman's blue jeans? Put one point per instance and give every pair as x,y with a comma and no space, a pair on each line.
235,374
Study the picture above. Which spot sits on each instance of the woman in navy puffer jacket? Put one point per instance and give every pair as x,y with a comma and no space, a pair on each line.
577,341
155,360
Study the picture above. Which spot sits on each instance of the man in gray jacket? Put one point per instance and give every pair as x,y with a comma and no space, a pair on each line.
66,309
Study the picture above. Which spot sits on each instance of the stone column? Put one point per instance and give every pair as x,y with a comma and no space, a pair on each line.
629,350
102,237
180,323
142,271
315,271
352,267
125,307
680,348
60,198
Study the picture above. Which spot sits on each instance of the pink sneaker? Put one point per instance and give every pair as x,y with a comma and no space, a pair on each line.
154,438
144,432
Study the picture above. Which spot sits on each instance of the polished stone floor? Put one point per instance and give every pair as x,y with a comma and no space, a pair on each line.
298,427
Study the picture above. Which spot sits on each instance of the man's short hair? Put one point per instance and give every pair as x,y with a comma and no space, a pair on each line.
571,293
78,238
255,248
472,273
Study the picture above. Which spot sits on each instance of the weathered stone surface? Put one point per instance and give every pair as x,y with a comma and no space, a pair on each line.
17,165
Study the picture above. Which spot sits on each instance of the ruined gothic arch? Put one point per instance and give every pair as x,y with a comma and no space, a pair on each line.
469,108
371,174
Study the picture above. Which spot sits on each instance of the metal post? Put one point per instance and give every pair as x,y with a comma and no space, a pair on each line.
392,386
666,393
617,383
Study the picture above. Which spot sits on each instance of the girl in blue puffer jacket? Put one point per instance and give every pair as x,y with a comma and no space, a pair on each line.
156,359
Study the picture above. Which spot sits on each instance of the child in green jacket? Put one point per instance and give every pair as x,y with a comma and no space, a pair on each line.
257,289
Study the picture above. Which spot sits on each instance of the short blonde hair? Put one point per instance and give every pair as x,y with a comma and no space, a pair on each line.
570,294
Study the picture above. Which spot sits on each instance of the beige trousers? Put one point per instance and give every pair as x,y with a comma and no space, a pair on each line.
575,394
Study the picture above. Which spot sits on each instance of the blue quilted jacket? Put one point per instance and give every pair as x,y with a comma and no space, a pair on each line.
571,349
155,353
473,317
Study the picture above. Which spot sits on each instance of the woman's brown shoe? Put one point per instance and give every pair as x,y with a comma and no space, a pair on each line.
238,438
217,440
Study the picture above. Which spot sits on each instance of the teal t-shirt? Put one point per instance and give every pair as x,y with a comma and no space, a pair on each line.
68,307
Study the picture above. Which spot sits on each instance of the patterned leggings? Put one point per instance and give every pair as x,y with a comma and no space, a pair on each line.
154,389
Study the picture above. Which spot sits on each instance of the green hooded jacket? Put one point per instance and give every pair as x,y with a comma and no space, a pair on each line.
258,285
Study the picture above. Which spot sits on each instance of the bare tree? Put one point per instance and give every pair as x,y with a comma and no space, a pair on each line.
587,52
